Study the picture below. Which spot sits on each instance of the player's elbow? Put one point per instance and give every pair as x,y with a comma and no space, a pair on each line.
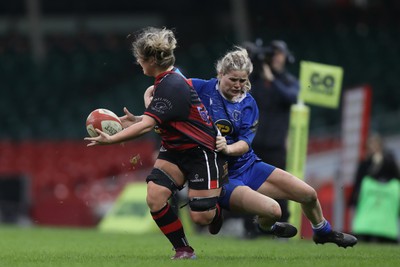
147,129
147,124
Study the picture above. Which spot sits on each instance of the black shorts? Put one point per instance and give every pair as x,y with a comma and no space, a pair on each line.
203,169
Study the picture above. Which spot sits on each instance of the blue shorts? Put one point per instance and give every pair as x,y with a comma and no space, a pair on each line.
253,177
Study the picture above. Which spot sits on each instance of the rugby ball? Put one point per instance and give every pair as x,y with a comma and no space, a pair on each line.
104,120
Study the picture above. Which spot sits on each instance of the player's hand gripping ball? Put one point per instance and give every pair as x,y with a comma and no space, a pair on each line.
104,120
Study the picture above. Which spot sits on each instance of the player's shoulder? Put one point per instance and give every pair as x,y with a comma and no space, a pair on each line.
249,102
204,83
174,78
173,82
249,99
204,86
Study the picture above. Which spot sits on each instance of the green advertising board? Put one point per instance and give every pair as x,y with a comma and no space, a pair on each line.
378,208
130,213
320,84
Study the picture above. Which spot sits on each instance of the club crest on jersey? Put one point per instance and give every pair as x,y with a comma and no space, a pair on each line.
203,114
224,126
236,114
161,105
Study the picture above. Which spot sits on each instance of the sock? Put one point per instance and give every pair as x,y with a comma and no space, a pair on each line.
171,226
323,228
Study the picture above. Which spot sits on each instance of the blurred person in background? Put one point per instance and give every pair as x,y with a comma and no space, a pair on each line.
376,195
188,138
275,90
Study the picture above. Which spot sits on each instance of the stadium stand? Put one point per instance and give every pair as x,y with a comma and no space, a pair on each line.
44,106
63,173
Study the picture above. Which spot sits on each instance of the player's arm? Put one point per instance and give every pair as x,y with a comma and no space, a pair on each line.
128,119
145,125
247,131
236,149
148,96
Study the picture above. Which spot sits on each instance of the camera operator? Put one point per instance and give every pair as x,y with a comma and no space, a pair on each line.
275,90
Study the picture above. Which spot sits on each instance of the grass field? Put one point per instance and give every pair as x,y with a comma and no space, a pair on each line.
80,247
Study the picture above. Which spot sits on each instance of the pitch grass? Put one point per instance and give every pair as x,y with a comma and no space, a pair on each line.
56,247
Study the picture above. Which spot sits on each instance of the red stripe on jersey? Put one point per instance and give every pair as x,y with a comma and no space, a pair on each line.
190,82
153,116
178,147
195,115
213,184
195,133
172,227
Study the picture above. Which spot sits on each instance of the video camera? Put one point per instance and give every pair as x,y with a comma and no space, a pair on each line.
264,54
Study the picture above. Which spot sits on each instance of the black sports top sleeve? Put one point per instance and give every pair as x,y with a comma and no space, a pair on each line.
171,100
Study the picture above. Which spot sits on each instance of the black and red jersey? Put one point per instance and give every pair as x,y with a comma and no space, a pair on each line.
182,119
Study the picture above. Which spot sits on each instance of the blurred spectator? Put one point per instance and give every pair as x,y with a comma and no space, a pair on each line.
275,90
376,195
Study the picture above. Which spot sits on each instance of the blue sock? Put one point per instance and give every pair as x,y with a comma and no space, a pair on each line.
323,228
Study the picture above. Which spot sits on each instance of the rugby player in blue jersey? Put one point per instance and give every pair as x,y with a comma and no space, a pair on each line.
188,139
253,184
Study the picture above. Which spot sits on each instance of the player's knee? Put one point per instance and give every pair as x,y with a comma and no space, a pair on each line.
202,209
310,196
202,218
157,196
160,186
275,211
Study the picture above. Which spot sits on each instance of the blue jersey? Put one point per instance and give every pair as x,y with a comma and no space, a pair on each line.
236,121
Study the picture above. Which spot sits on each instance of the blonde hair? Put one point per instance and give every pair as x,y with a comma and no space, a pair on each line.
235,60
156,43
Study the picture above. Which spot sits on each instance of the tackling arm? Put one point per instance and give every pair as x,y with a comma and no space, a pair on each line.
236,149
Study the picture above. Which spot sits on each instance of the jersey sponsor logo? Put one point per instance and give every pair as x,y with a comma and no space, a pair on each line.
161,105
197,179
224,126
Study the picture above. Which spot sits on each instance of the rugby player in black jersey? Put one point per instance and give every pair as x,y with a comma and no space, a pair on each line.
188,143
